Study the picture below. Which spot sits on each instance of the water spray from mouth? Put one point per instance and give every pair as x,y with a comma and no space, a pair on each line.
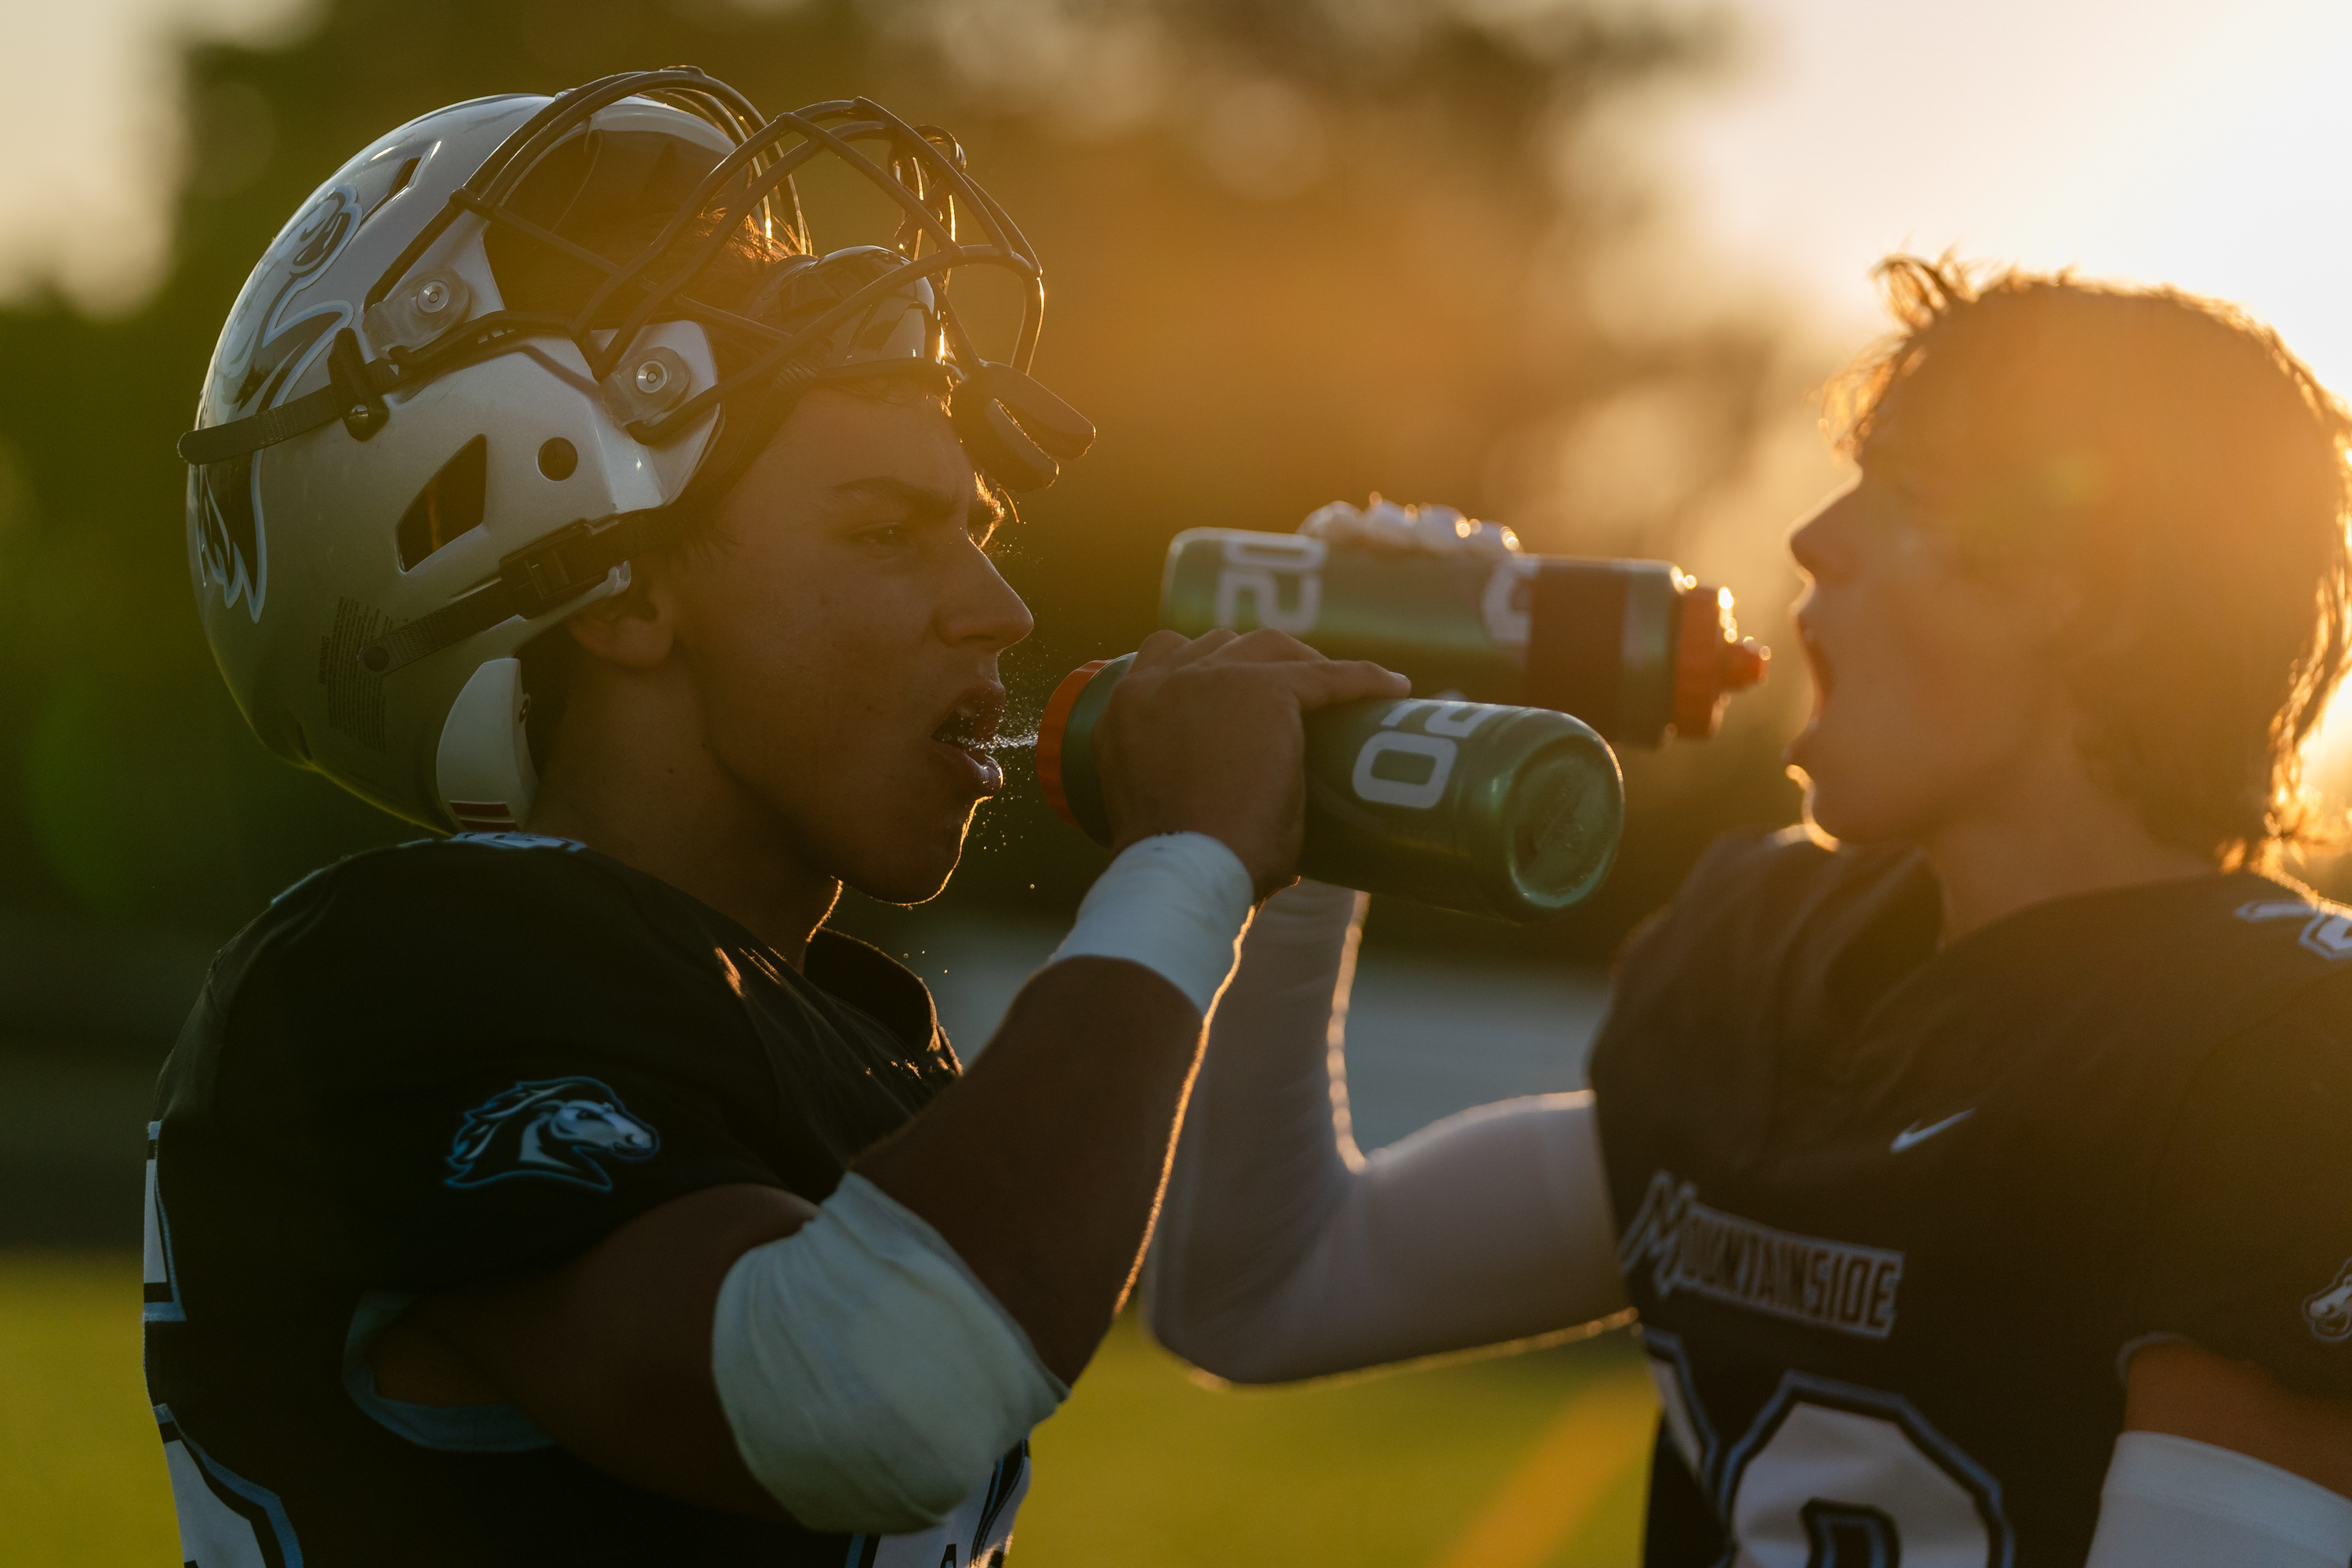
1025,713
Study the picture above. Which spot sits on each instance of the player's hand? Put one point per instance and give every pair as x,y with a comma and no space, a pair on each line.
1203,735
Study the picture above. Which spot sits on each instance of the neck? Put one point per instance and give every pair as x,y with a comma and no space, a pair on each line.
2053,834
632,776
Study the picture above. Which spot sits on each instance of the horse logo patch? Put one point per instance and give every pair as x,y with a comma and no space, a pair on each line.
560,1128
2330,1313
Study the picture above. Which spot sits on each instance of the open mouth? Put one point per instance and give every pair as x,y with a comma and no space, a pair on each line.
971,723
971,727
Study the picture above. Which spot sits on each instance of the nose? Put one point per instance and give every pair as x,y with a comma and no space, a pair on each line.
1823,543
982,609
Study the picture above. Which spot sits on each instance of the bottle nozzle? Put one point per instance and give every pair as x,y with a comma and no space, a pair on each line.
1712,661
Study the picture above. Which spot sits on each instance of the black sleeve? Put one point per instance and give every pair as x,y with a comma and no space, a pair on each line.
487,1058
2251,1253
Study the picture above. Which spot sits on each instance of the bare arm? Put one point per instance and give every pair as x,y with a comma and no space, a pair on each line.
1041,1167
1282,1253
610,1355
2219,1464
2189,1391
1070,1110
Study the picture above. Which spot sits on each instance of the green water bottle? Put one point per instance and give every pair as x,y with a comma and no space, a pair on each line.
1635,649
1510,812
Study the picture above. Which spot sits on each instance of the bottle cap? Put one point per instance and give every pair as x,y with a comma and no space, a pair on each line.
1712,660
1050,730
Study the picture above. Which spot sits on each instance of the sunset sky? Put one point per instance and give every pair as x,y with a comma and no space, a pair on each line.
2170,139
2173,140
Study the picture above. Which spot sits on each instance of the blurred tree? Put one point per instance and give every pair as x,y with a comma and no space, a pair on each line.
1297,252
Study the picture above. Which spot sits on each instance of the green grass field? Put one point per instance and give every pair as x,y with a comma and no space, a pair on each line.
1512,1462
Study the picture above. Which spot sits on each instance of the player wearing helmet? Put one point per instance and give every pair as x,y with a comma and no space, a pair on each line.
1973,1176
559,1191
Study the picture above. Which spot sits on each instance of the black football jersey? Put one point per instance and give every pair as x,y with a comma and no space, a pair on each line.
453,1061
1893,1214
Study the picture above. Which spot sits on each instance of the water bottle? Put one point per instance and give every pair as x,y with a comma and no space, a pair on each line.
1632,647
1510,812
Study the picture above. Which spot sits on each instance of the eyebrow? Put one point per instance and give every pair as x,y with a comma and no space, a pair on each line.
922,500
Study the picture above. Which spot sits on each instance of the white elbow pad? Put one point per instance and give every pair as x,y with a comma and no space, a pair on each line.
2172,1503
870,1379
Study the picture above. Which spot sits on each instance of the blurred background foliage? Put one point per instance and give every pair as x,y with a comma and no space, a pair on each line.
1294,252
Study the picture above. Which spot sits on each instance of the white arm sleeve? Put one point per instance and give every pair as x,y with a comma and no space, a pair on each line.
1282,1253
2171,1502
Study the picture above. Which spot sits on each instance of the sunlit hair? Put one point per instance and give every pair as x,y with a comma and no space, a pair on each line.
2189,476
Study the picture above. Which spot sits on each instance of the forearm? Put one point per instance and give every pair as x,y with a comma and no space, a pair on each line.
1282,1254
1488,1227
1265,1160
1041,1165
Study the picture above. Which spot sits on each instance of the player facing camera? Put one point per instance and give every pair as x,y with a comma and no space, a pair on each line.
551,489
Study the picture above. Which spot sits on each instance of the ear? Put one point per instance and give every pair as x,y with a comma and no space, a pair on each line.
635,627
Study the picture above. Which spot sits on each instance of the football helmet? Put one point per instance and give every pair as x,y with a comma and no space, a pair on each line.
413,452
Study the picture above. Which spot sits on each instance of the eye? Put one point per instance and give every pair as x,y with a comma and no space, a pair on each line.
981,529
894,534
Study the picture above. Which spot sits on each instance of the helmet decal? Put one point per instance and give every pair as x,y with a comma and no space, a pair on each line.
228,533
260,357
232,548
254,348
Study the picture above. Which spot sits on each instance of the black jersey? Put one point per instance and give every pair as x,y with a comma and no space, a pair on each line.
452,1061
1894,1216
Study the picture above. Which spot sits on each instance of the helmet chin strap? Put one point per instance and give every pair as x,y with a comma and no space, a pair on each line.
542,577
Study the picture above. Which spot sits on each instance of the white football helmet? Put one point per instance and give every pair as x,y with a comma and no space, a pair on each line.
400,475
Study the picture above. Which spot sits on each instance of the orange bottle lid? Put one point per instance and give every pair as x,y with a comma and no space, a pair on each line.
1712,660
1050,730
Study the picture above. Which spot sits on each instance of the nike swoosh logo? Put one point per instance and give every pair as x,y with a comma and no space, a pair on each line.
1910,1135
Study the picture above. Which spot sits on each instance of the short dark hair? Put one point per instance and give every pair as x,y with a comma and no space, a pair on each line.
2191,472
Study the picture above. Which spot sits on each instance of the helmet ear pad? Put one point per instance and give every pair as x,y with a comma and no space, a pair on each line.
1014,430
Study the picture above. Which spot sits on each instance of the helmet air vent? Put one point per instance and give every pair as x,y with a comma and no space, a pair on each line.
449,504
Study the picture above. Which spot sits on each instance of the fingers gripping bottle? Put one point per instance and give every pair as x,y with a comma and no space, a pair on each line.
1631,647
1508,812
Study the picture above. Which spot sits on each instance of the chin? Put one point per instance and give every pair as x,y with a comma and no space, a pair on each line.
906,879
1850,812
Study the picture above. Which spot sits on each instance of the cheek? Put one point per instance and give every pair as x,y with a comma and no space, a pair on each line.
1935,680
1944,697
792,640
809,679
1975,679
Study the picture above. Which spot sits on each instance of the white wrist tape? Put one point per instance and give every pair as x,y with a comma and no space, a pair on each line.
2171,1502
1176,904
869,1376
